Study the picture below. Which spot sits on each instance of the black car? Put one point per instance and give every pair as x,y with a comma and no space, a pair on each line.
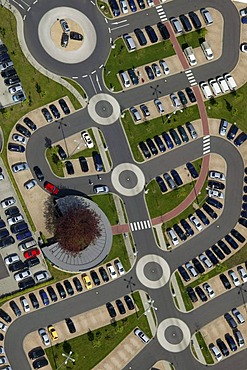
198,266
175,137
240,139
176,178
16,147
225,281
83,164
120,306
149,72
70,325
190,94
141,4
231,241
61,290
238,236
11,80
214,202
134,78
27,283
202,217
4,233
52,293
230,320
103,274
185,22
201,294
183,134
95,277
77,284
2,224
40,362
30,123
184,273
98,164
160,144
36,353
216,185
192,294
192,170
232,132
3,49
114,7
161,184
145,150
14,307
151,34
61,152
38,173
212,257
4,57
243,222
34,301
54,111
12,211
179,232
16,266
145,110
75,36
209,211
129,302
163,31
222,347
224,247
111,309
218,252
5,316
64,106
243,214
23,130
9,72
187,228
195,20
68,287
231,342
182,98
168,140
69,168
47,115
152,146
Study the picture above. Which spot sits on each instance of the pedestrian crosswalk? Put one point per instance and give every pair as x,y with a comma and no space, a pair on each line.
191,77
140,225
206,145
161,13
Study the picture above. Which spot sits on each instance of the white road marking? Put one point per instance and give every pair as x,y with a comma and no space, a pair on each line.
93,72
75,77
97,80
140,225
93,84
116,28
18,4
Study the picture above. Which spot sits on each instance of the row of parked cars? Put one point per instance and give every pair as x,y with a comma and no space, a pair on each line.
120,306
231,133
184,23
10,76
116,6
216,86
170,139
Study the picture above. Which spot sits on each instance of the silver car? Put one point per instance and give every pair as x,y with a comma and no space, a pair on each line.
176,103
159,106
223,127
19,138
64,26
21,166
30,184
44,336
164,67
156,70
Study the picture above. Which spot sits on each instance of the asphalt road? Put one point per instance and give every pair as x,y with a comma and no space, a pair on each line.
135,206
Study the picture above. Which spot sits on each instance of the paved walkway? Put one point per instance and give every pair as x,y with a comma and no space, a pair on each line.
102,149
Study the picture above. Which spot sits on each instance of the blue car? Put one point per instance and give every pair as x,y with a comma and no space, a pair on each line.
232,132
176,177
114,7
132,5
161,184
187,228
192,170
244,20
44,297
240,139
168,140
23,235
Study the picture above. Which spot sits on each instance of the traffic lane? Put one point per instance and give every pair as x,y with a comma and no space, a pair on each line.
98,56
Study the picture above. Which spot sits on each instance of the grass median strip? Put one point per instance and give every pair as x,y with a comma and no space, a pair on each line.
206,354
187,301
193,39
118,250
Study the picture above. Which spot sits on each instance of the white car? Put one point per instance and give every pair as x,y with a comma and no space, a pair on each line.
8,202
234,277
156,70
175,102
25,304
6,65
14,220
217,175
3,360
119,267
1,350
11,258
22,275
242,273
111,271
164,67
15,89
88,141
30,184
215,193
205,260
19,138
21,166
123,6
64,26
196,222
44,336
223,127
208,290
159,106
3,326
243,47
243,12
150,2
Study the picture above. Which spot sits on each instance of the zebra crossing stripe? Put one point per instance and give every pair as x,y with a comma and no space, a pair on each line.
140,225
148,222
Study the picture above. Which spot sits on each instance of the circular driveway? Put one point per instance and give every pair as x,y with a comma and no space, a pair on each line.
128,179
153,271
173,335
103,109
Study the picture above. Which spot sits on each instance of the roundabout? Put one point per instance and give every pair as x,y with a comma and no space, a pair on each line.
173,335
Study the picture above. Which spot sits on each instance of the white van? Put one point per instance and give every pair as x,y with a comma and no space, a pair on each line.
207,50
230,81
100,189
129,42
215,86
189,53
223,85
124,78
207,92
173,236
207,16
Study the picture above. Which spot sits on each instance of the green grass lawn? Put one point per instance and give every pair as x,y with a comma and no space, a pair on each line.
205,351
91,348
54,161
104,8
76,86
141,132
187,301
118,250
231,106
87,152
121,60
193,39
107,204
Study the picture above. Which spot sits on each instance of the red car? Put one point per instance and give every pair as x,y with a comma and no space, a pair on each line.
31,253
52,189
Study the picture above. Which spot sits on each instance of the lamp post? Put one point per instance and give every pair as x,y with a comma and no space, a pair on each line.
150,303
170,115
60,127
67,359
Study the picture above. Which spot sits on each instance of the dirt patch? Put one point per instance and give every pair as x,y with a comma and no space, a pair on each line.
56,34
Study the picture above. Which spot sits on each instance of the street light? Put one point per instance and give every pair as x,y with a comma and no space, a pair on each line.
170,115
60,127
150,303
67,359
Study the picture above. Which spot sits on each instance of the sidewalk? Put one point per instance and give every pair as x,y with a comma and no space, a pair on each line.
102,150
151,322
177,294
